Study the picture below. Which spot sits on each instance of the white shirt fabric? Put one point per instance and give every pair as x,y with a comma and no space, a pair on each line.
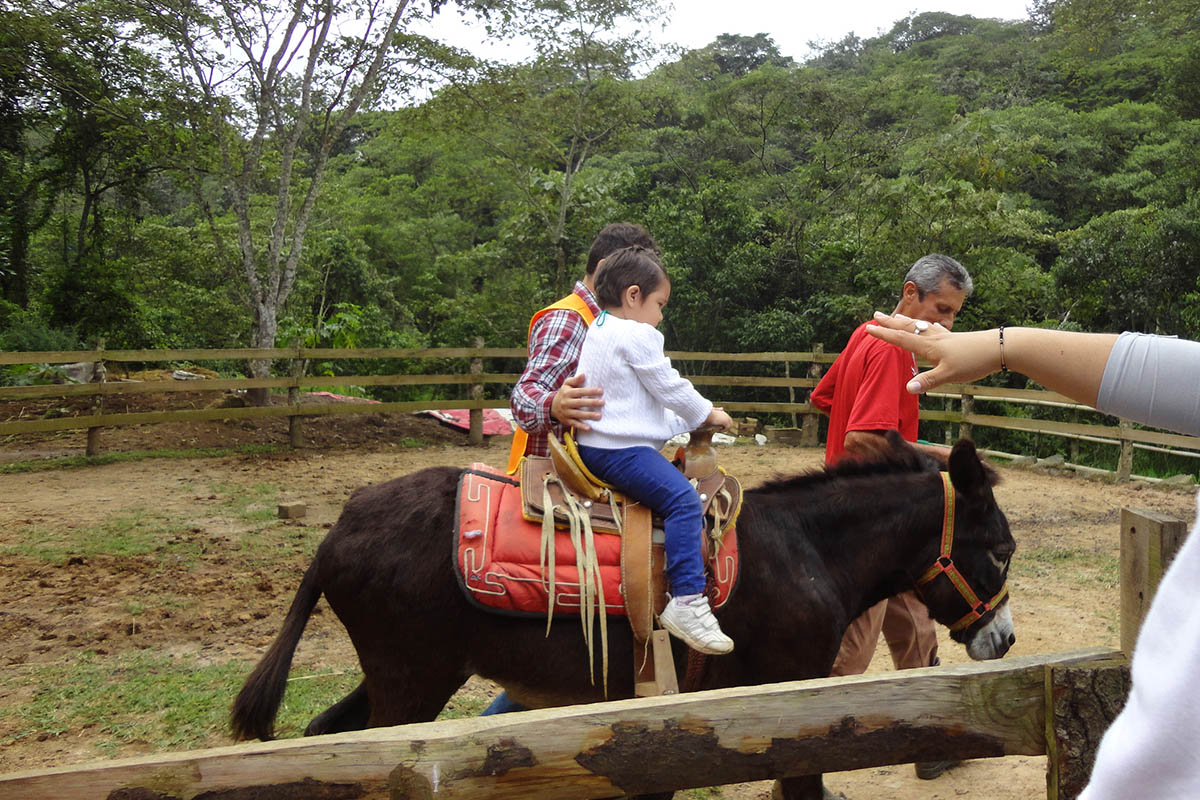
1151,749
646,401
1154,380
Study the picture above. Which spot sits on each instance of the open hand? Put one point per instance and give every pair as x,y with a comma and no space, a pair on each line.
956,357
575,404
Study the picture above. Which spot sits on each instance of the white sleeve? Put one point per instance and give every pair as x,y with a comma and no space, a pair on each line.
1153,380
663,381
1150,750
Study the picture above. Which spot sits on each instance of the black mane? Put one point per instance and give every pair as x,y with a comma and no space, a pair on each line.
897,460
900,458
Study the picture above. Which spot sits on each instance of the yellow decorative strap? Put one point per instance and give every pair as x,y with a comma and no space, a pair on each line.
587,568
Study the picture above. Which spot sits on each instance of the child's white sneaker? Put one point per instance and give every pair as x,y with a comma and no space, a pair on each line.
691,619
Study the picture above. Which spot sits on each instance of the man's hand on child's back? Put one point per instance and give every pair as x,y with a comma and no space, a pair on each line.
574,404
719,418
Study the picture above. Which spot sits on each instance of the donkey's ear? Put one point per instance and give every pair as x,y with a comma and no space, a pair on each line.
967,472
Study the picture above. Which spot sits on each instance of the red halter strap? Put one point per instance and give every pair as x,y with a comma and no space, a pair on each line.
945,566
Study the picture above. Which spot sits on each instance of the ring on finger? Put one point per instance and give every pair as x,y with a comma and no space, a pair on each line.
920,325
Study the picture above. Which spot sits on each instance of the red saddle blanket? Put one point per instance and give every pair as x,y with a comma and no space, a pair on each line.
497,553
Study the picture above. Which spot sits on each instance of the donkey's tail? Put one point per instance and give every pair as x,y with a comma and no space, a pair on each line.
253,713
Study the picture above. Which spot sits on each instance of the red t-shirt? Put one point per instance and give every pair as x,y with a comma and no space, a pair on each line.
864,391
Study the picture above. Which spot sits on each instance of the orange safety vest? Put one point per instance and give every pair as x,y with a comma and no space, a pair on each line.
571,302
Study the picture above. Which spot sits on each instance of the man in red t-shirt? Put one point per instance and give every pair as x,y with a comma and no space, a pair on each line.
864,395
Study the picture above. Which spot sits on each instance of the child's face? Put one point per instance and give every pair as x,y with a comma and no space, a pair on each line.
646,308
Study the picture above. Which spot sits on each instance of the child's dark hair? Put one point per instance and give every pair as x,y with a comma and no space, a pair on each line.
629,266
613,237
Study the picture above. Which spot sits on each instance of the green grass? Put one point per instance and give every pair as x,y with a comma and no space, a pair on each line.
169,703
74,462
1081,567
252,504
150,698
137,533
465,705
259,537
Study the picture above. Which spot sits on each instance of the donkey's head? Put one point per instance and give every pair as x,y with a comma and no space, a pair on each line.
965,584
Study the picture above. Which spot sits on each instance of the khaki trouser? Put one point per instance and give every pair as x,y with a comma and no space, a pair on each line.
906,626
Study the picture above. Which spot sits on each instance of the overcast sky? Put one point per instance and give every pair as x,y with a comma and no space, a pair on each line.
791,23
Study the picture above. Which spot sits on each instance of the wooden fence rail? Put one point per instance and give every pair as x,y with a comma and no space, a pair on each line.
637,746
1123,435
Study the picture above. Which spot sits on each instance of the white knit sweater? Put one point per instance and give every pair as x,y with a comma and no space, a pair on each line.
646,401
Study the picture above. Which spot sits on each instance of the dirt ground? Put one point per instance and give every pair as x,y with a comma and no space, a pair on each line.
1064,594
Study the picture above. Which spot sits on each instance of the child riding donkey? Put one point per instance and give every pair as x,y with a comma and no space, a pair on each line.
646,402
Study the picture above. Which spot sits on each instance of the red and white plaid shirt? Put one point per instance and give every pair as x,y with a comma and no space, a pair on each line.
554,347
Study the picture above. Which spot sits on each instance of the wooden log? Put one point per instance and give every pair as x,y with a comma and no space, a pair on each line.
475,415
624,747
1082,700
793,437
968,408
1125,459
295,424
1149,542
93,434
291,510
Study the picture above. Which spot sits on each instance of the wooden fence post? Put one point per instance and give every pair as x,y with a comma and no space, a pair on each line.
1149,542
1082,700
1074,444
295,424
475,435
787,373
810,435
1125,461
947,431
98,375
965,429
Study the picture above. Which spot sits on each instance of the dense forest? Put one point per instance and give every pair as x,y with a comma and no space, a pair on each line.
149,198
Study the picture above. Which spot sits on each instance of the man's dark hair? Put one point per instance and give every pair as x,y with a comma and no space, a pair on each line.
613,237
629,266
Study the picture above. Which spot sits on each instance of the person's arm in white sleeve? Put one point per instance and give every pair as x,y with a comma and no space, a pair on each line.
654,370
1153,380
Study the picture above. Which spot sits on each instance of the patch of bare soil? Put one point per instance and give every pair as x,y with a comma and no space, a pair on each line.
1064,595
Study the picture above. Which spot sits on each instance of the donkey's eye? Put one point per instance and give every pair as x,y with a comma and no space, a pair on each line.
1001,563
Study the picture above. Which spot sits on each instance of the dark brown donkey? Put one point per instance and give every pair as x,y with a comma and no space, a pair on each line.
817,550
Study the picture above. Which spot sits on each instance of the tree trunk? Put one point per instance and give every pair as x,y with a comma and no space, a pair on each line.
266,324
14,282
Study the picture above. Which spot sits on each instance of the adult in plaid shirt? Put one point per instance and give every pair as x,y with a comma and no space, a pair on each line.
547,398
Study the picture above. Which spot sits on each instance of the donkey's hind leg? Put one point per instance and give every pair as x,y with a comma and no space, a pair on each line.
807,787
348,714
413,691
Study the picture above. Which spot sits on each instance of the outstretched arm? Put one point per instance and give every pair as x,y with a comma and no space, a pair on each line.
1064,361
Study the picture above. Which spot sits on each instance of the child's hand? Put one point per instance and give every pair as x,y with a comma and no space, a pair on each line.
719,418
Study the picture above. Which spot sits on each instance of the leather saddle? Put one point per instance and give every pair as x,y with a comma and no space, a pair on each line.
720,493
562,487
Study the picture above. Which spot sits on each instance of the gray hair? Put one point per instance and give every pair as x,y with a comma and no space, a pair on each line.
929,272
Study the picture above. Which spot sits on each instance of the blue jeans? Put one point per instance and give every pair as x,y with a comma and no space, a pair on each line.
503,704
645,475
